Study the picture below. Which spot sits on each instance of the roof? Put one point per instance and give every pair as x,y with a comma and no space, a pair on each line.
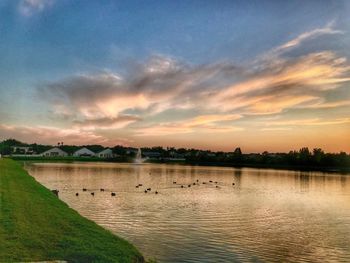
108,150
54,149
84,149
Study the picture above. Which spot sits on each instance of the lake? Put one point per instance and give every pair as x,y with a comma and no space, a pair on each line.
267,215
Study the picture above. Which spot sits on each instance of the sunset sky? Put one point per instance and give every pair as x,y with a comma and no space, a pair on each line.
262,75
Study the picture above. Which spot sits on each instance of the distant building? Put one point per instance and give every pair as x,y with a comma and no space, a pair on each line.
84,152
176,155
22,150
152,155
106,153
54,152
131,150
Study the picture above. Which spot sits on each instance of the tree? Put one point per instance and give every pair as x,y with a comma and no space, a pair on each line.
304,156
318,155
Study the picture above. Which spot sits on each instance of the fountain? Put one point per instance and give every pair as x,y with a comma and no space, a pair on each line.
138,158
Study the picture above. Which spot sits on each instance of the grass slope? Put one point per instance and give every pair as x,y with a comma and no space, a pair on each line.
35,225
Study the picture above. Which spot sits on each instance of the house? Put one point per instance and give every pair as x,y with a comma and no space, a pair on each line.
176,155
54,152
151,155
83,152
106,153
22,150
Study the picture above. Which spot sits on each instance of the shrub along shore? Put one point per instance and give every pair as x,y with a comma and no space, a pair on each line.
36,226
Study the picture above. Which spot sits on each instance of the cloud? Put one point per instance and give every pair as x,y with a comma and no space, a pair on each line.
276,129
328,29
106,123
31,7
310,122
50,135
218,87
199,124
155,87
328,105
295,82
212,92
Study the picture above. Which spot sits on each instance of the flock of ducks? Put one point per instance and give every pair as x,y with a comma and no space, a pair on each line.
148,190
93,193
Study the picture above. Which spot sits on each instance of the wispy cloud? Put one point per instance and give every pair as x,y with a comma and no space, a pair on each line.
31,7
328,29
216,93
310,122
201,124
106,122
225,88
328,105
50,135
295,82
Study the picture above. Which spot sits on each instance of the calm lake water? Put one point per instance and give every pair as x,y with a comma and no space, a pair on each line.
268,215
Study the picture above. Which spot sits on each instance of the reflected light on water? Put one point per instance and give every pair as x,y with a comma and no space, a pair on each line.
268,215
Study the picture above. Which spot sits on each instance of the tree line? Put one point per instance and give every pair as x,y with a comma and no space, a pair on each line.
303,158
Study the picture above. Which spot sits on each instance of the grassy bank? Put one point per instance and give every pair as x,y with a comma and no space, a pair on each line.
35,225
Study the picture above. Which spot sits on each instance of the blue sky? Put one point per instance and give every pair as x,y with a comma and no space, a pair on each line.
134,72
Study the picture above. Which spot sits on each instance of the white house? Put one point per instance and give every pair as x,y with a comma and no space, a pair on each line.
84,152
54,152
106,153
22,150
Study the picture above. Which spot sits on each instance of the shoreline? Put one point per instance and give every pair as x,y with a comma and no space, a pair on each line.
37,226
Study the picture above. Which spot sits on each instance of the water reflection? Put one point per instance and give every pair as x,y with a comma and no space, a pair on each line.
268,215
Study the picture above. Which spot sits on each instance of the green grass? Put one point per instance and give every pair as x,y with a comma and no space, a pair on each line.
35,225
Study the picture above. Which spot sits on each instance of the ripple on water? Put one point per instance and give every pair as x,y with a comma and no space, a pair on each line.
268,215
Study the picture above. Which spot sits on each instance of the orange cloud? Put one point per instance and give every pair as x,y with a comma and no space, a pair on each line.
220,94
51,135
204,123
